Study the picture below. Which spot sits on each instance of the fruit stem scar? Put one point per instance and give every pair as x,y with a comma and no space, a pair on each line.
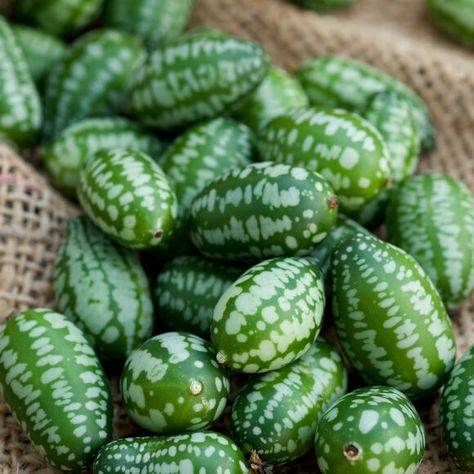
352,451
333,202
390,183
195,387
158,234
221,357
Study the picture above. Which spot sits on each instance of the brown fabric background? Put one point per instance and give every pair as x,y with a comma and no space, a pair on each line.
395,36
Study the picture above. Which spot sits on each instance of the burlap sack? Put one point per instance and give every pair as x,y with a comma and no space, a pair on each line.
392,35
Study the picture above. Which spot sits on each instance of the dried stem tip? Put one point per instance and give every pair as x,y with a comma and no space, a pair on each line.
333,202
352,452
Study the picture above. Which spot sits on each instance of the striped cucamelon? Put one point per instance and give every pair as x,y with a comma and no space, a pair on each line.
20,107
389,317
59,17
42,50
269,316
66,155
323,6
457,412
265,210
172,383
337,81
102,287
91,80
276,413
346,149
370,430
203,452
157,21
54,384
128,196
199,155
277,93
455,18
195,78
187,290
432,218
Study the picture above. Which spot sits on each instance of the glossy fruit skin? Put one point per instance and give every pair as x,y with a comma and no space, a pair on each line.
203,451
187,290
54,384
456,411
127,195
264,210
42,50
172,384
276,413
337,81
346,149
20,107
323,6
91,80
455,18
199,155
270,316
59,17
370,430
277,93
389,317
67,154
102,288
196,77
432,218
157,21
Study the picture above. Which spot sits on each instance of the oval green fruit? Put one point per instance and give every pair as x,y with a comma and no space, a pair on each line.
276,413
203,452
456,411
102,287
432,218
277,93
20,106
172,384
128,196
91,80
157,21
187,290
54,384
67,154
195,78
370,430
264,210
270,316
389,317
336,81
323,6
346,149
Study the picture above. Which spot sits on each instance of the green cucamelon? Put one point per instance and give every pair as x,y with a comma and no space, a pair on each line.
195,78
172,383
323,6
59,17
432,218
346,149
54,384
389,317
157,21
265,210
270,315
128,196
187,290
336,81
277,93
455,18
370,430
42,50
67,154
102,287
91,80
203,452
277,413
20,107
457,412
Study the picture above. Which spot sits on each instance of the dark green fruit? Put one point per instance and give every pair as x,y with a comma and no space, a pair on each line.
323,6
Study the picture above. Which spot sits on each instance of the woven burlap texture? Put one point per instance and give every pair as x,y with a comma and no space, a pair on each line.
394,36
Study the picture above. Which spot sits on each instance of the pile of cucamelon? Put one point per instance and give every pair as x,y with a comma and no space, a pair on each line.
249,195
